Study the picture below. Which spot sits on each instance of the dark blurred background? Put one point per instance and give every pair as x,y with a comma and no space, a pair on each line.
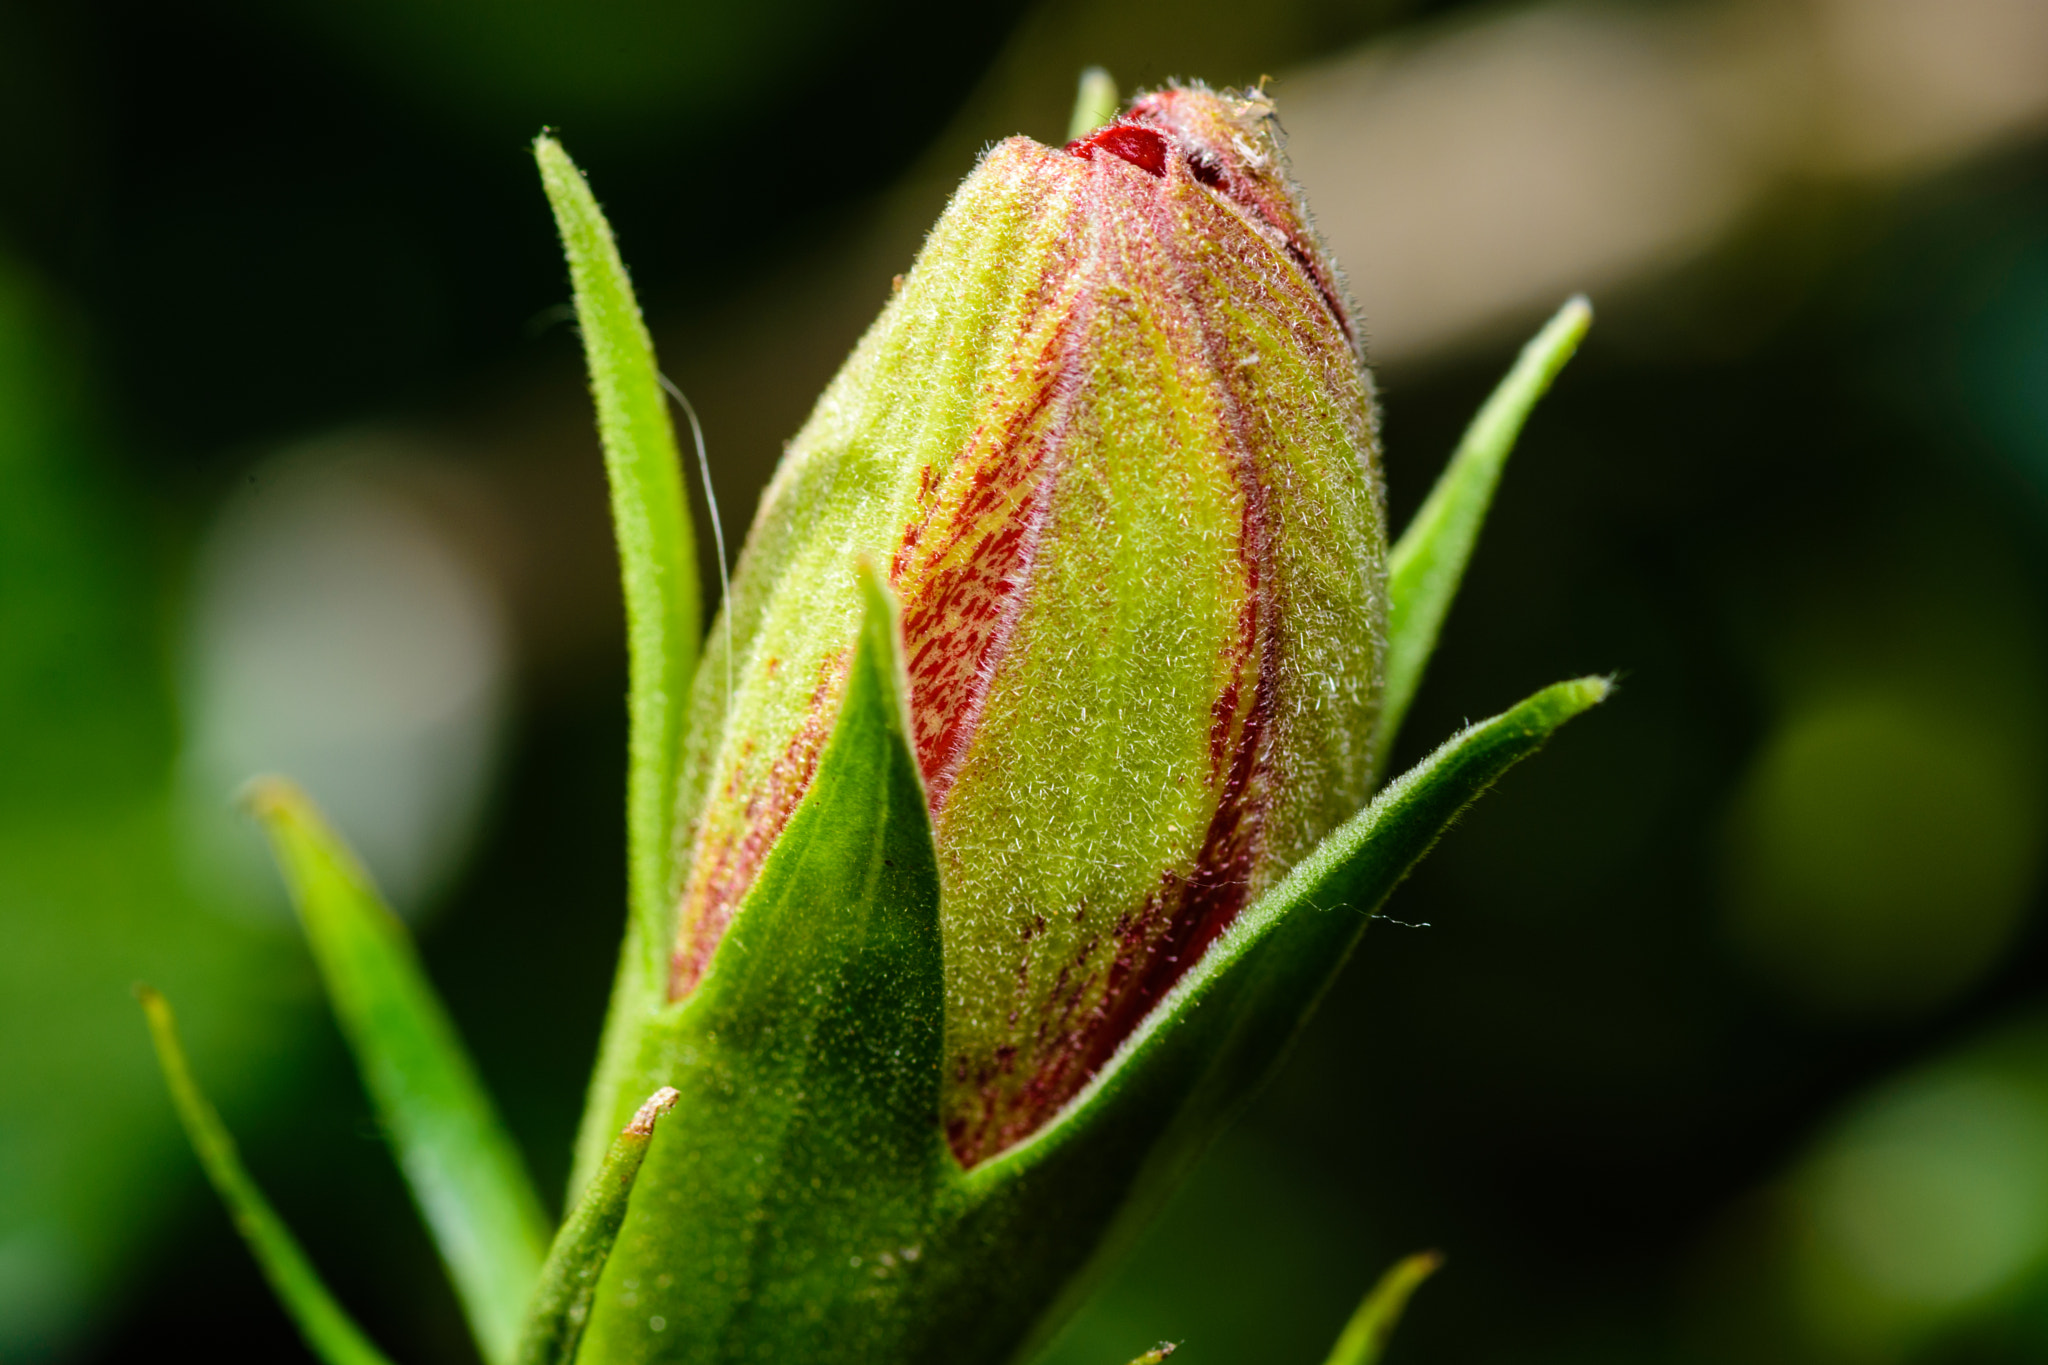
1719,1033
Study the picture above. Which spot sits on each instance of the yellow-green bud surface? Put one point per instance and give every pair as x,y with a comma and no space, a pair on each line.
1112,444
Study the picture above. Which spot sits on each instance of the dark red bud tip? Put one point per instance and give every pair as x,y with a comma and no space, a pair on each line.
1144,148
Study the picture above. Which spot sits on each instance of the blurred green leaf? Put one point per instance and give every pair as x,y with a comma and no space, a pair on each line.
658,561
85,714
96,885
466,1175
614,70
326,1326
1428,562
1365,1336
1882,852
560,1307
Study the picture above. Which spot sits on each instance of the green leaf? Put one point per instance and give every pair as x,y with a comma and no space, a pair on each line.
1203,1051
1095,103
658,563
1428,562
464,1172
560,1307
329,1331
1365,1336
785,1209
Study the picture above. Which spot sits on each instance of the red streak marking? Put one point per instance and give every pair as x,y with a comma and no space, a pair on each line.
1091,1007
728,862
1220,882
962,596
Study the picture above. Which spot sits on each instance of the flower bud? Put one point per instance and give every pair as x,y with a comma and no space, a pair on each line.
1113,445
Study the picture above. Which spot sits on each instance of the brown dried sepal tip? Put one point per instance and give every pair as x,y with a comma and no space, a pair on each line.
659,1103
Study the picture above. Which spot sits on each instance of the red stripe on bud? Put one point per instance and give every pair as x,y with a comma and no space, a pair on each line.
727,861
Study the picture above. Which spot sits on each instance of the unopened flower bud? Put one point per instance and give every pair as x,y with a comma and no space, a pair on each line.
1113,446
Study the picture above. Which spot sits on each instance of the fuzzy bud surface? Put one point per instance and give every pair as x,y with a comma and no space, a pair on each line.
1113,445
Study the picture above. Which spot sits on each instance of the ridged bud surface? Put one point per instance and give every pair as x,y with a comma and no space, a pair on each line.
1113,446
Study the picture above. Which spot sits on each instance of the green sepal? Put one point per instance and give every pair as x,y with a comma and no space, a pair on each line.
802,1203
658,568
328,1330
560,1307
807,1150
1202,1052
465,1174
785,1210
1428,563
1364,1338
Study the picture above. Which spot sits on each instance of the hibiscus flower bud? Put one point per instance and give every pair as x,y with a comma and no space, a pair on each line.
1113,446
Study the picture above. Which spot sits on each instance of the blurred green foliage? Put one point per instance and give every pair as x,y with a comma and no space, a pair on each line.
1926,1208
80,675
94,890
1886,842
1719,1044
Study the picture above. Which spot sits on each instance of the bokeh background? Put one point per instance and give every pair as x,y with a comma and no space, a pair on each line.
1719,1033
